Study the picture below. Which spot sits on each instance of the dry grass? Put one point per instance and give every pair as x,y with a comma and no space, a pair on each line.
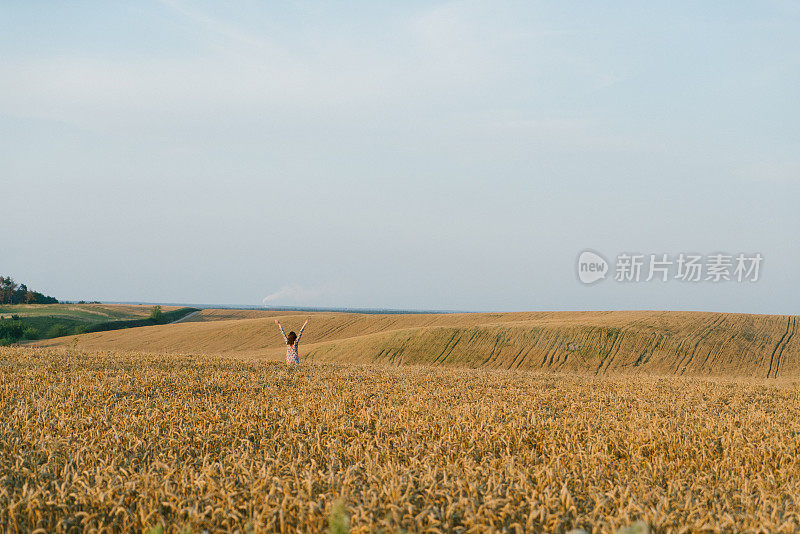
680,343
132,441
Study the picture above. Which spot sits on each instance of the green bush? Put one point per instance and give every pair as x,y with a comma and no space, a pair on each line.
11,330
156,314
30,333
58,330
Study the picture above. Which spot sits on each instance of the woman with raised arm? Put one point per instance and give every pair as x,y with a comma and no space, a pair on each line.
292,343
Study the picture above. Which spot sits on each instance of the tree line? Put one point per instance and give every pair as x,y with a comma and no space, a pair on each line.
13,293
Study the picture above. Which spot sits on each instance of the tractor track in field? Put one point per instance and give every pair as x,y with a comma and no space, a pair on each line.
443,355
777,352
687,358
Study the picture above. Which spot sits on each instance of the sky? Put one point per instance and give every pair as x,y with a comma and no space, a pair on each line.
409,155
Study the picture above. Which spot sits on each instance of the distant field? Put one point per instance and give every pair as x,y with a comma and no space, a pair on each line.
679,343
56,320
81,312
134,441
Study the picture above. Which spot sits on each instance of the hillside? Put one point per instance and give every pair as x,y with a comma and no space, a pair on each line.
41,321
679,343
81,312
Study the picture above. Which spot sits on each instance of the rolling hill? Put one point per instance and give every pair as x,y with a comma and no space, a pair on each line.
658,342
46,321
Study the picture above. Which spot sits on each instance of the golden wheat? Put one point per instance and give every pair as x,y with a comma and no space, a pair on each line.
680,343
126,442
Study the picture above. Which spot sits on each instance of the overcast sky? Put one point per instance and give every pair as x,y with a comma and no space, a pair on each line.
453,155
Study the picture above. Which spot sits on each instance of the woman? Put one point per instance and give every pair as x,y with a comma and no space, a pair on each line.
292,343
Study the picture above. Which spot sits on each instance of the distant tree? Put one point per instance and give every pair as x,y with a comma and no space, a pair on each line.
19,294
43,299
7,288
156,314
11,288
11,293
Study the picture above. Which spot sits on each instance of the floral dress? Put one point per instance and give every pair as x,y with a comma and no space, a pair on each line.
292,356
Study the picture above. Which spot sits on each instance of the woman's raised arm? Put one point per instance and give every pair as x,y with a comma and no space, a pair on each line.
277,322
301,330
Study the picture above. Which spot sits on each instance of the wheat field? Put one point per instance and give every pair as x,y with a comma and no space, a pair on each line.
140,442
629,342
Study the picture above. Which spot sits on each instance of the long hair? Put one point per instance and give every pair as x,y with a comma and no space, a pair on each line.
291,338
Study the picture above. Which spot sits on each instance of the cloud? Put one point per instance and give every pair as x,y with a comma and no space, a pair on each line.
294,294
219,28
229,71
